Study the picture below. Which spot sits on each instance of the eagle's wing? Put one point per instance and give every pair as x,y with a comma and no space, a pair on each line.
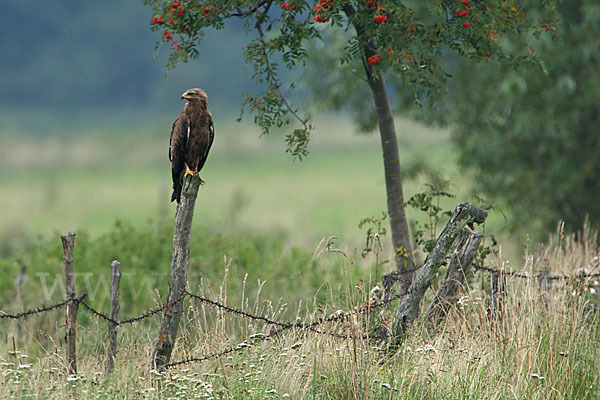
211,137
177,151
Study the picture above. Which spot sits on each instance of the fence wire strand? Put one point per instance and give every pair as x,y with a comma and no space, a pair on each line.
281,325
41,309
141,317
525,275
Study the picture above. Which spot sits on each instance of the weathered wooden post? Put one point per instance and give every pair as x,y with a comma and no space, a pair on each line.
68,243
465,250
545,283
497,294
407,312
161,353
111,348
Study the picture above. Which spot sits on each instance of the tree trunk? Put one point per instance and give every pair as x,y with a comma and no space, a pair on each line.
391,159
161,354
393,177
407,312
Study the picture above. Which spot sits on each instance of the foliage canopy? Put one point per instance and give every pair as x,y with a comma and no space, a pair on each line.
410,39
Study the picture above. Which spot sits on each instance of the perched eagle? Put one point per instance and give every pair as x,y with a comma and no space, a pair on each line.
192,135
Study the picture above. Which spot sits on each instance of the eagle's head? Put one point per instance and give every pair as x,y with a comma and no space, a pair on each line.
195,95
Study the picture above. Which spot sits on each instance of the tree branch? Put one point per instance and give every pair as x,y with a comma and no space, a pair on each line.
271,75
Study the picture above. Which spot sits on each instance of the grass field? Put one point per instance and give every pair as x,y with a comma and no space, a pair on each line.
88,181
258,220
545,346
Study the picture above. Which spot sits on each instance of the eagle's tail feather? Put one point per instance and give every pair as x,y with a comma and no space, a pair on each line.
176,192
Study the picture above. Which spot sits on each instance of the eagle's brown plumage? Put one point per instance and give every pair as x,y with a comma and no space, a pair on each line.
192,135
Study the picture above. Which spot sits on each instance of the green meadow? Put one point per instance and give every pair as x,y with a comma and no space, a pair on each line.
87,181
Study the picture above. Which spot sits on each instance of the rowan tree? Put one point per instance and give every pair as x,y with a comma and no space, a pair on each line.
406,40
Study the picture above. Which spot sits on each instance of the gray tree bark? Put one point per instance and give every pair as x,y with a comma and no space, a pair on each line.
465,250
111,350
393,175
161,353
391,159
407,312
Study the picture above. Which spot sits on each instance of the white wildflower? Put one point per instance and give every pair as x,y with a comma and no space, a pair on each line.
426,349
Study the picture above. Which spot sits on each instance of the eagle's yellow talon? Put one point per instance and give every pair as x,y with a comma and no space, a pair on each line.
189,172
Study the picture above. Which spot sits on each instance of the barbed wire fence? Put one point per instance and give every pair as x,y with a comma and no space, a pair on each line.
280,326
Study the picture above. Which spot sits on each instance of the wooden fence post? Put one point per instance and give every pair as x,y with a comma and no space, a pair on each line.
497,294
68,243
111,348
545,283
407,312
161,353
465,249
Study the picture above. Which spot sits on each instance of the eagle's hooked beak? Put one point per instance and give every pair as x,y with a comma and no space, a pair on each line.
186,96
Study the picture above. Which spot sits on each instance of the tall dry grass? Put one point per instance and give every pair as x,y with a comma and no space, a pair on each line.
544,346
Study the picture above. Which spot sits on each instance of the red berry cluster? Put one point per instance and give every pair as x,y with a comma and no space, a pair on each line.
174,11
494,34
288,6
374,60
322,6
462,13
378,10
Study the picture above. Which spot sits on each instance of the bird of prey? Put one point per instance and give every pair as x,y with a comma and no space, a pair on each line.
192,135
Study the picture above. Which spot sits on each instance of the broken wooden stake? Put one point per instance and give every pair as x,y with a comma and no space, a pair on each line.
407,312
447,295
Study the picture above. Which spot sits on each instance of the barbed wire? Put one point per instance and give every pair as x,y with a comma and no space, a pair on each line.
525,275
41,309
286,325
281,325
216,304
142,316
271,335
200,359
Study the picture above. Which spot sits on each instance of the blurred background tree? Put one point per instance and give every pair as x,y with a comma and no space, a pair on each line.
532,137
